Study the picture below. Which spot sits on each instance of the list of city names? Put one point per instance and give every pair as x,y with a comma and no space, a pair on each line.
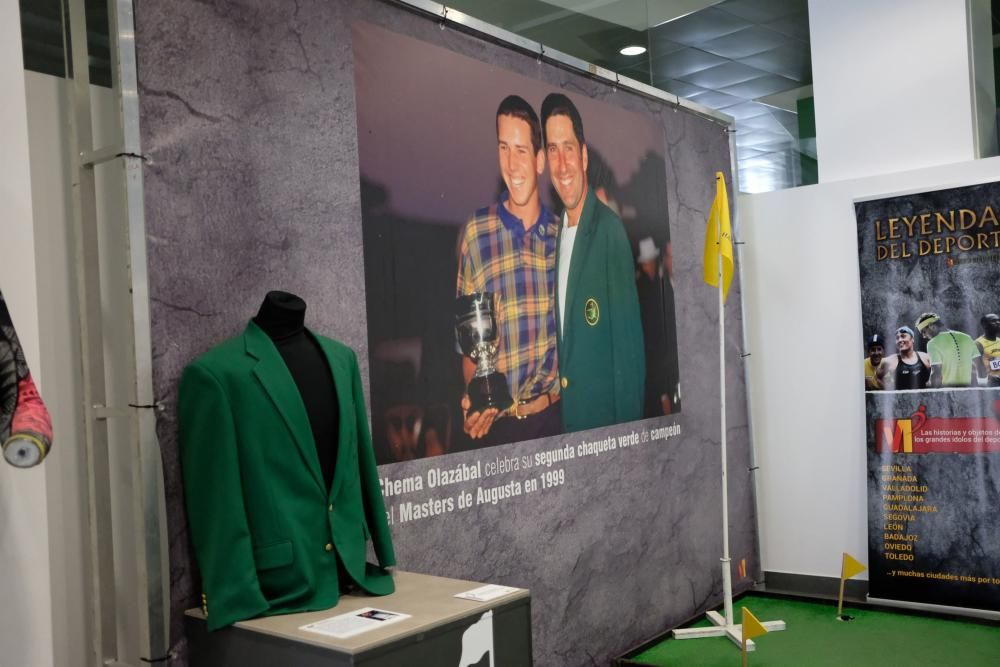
904,500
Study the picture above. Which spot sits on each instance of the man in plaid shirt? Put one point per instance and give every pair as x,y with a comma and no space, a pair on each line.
509,248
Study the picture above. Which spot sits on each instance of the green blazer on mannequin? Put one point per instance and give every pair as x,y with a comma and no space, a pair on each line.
602,362
265,531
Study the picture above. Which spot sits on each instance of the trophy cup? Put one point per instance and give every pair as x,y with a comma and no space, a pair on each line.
477,334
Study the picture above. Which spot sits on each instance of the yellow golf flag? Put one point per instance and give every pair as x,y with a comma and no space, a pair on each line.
751,626
719,217
851,566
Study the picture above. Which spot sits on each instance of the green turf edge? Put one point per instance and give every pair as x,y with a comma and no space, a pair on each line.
626,659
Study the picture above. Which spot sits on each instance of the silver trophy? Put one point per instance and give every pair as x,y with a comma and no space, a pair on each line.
477,333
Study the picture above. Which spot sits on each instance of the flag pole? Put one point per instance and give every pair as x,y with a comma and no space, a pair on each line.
849,566
727,574
840,596
723,624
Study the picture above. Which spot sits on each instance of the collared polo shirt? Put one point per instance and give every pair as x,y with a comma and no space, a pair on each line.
499,255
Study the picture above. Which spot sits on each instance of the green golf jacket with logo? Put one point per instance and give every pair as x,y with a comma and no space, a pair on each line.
602,363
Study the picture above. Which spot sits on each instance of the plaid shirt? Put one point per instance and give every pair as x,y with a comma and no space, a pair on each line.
500,256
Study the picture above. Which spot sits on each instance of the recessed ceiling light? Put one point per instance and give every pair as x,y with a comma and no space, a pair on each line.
633,50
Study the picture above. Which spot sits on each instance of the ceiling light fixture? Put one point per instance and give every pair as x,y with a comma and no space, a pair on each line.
633,50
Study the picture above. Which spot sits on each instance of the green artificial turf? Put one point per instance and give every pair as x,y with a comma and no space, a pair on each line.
815,638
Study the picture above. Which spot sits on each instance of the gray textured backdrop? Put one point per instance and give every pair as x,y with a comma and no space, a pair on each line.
248,119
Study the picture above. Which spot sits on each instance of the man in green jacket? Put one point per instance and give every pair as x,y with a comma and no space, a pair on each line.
600,345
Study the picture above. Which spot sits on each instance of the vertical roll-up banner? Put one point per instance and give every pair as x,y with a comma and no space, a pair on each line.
929,269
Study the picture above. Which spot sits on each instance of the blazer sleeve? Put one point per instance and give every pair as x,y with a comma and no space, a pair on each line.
626,329
371,490
213,491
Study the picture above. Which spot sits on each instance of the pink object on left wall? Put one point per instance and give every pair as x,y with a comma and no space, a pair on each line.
25,424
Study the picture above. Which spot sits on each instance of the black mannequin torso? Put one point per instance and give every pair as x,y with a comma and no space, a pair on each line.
282,318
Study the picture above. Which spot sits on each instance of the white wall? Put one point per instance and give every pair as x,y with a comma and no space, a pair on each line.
803,306
892,85
48,137
26,608
47,101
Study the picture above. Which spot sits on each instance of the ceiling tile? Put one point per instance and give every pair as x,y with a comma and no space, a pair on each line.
699,27
760,49
758,138
788,119
759,87
746,110
766,161
609,40
779,148
716,100
681,63
759,11
660,46
780,116
791,60
796,25
748,152
726,74
769,170
677,87
765,122
744,43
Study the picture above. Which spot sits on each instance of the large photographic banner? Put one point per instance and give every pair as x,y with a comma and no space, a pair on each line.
336,150
929,264
428,153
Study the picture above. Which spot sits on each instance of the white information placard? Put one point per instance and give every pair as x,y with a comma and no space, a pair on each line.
355,622
487,593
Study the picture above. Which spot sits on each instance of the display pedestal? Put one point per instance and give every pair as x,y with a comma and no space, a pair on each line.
433,636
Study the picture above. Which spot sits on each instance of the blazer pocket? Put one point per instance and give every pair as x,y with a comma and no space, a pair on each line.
274,555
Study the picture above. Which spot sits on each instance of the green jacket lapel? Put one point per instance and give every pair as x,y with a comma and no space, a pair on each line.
279,385
342,379
584,237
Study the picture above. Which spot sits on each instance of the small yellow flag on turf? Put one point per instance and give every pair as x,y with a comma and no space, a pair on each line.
751,626
851,566
719,239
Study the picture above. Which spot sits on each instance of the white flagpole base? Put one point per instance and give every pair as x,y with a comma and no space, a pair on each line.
734,632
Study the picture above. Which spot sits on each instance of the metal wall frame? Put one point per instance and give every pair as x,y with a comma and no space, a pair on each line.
144,488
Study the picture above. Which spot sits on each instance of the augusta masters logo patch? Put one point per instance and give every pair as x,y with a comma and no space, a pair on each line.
591,312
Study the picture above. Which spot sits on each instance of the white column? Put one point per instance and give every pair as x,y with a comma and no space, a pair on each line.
895,85
26,613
